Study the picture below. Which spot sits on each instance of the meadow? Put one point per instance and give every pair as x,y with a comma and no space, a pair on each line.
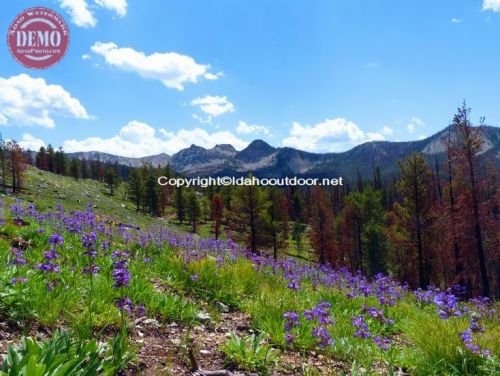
88,286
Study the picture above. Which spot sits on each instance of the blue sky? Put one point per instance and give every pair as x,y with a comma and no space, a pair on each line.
143,77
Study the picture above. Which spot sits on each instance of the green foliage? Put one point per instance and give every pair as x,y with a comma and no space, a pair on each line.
250,353
62,355
58,356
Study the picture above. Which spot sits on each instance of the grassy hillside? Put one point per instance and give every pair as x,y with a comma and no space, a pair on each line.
149,300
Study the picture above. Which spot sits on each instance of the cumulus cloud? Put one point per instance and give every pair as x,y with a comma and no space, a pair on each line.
331,135
212,106
30,142
32,101
138,139
493,5
245,128
172,69
456,20
117,6
414,123
387,131
79,12
82,15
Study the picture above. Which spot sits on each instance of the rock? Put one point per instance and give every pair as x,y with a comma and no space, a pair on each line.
123,205
203,317
151,322
176,341
221,307
205,352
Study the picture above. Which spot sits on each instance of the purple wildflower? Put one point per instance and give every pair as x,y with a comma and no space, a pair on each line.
323,336
56,239
121,277
447,304
18,257
362,329
48,267
15,280
124,304
51,255
293,285
91,269
382,342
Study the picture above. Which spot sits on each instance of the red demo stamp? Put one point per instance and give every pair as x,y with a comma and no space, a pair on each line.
38,38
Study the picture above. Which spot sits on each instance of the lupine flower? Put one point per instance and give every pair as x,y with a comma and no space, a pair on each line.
447,304
194,278
362,329
121,276
90,269
18,257
321,315
48,267
51,255
323,335
293,285
124,304
15,280
291,320
382,342
89,240
56,239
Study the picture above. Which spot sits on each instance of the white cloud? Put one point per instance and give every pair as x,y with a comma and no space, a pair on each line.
30,142
31,101
117,6
213,106
82,15
86,57
79,12
137,139
202,120
414,123
331,135
172,69
387,131
456,20
374,136
493,5
245,128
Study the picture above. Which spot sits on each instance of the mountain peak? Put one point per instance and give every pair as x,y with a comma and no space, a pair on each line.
224,149
255,151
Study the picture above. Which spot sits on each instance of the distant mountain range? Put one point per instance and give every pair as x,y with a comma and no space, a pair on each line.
264,160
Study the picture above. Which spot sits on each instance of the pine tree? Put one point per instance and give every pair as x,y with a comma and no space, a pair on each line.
276,221
51,159
3,163
298,231
180,204
193,209
415,188
135,188
111,180
41,159
151,197
217,213
322,230
74,168
249,204
464,151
